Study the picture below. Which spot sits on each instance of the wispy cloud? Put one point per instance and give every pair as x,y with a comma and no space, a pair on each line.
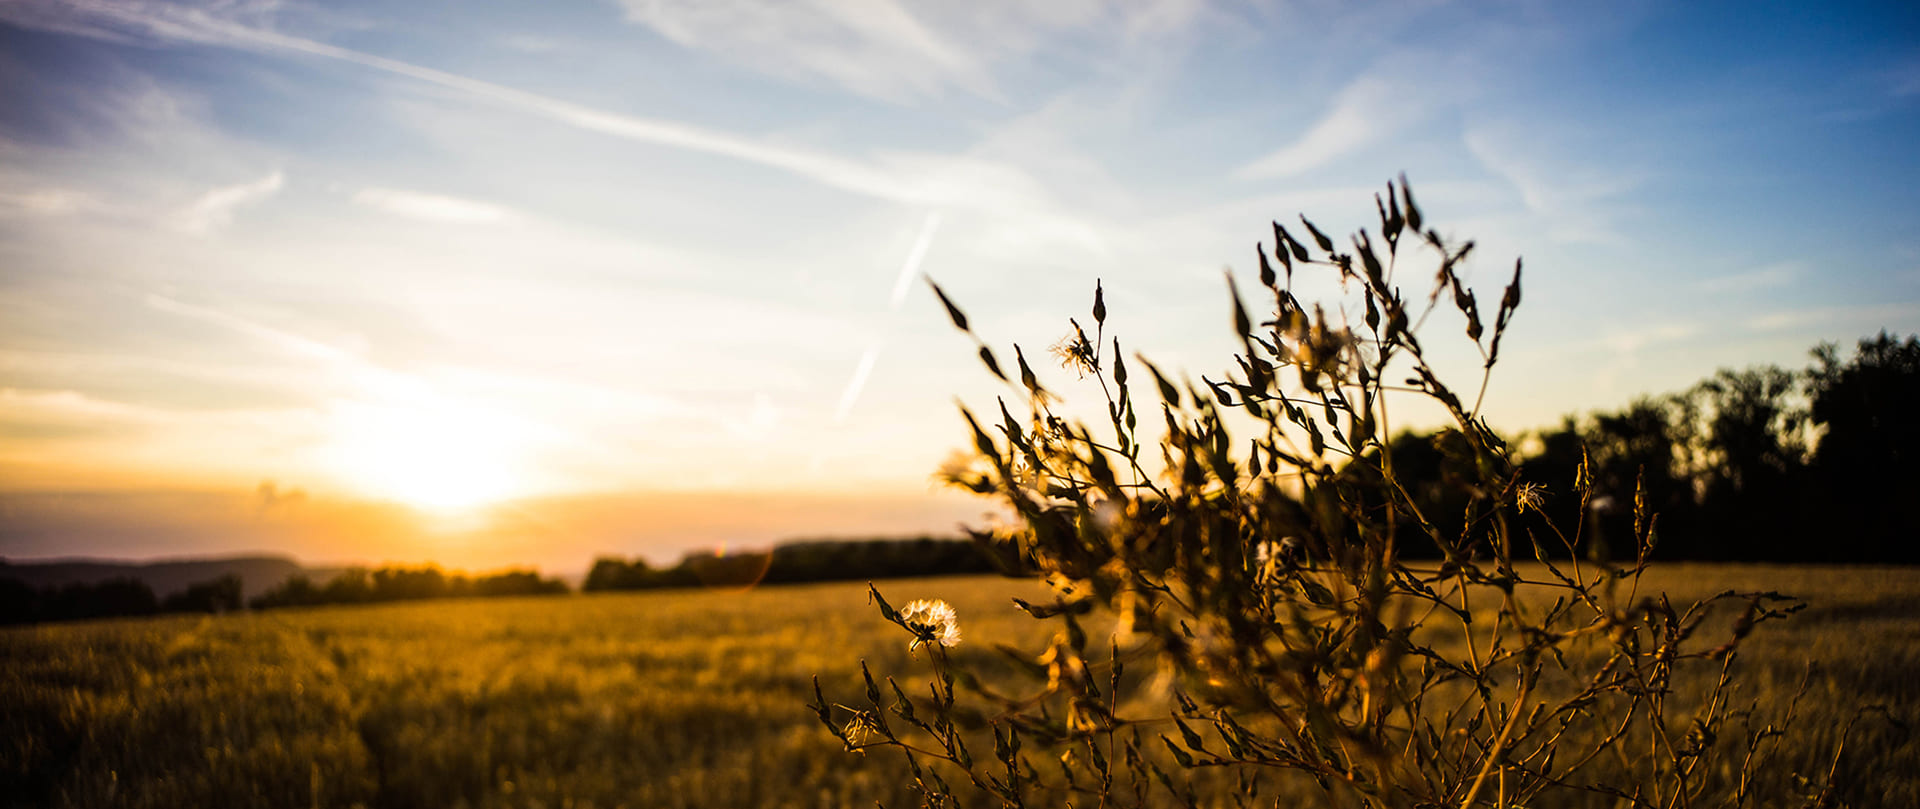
291,343
933,180
1863,318
62,437
430,207
1365,112
1613,358
1767,277
60,413
1573,200
905,52
1385,102
185,24
529,43
215,208
47,202
1629,342
875,48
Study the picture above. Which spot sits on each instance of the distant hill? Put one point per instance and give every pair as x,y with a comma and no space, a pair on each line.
257,573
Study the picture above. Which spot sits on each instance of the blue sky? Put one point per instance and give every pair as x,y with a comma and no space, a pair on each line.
647,248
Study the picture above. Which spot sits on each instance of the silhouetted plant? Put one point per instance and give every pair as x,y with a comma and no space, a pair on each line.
1238,616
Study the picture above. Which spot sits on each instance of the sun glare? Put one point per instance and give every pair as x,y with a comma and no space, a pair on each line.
442,458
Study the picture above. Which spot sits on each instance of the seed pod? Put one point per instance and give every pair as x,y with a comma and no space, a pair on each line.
1293,245
1027,377
1319,238
1413,211
959,318
986,356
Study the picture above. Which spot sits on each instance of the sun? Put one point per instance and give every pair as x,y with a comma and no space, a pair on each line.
439,456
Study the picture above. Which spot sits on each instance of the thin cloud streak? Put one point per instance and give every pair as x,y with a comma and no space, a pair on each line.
198,27
857,384
1576,200
908,52
911,268
901,286
47,202
430,207
875,48
1767,277
1865,314
293,343
1367,111
215,209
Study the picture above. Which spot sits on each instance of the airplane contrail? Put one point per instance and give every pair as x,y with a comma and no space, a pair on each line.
911,268
859,382
191,25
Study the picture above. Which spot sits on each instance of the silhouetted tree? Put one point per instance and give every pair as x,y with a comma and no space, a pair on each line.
217,595
110,598
1866,459
610,573
19,602
1642,452
1751,463
296,591
517,583
804,561
407,584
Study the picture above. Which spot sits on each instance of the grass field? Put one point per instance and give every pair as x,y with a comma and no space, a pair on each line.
672,699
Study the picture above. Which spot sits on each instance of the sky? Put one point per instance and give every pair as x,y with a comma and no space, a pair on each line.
490,283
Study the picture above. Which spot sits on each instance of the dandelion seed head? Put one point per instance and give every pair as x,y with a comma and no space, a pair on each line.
933,621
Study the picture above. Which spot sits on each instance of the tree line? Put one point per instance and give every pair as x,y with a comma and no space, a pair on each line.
1764,464
358,585
802,561
22,603
127,596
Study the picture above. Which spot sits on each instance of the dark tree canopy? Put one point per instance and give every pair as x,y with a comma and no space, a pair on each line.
1760,464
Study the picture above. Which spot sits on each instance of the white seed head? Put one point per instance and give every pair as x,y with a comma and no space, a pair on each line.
933,620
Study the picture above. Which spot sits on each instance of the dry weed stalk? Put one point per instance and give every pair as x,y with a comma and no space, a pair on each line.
1268,637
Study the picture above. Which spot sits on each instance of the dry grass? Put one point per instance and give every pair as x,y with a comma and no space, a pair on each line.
671,699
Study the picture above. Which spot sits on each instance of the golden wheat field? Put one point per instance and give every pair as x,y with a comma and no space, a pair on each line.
688,698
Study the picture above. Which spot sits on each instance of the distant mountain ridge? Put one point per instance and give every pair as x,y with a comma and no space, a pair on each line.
257,573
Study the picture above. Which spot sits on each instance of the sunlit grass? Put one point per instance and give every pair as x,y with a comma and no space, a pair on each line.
668,699
654,699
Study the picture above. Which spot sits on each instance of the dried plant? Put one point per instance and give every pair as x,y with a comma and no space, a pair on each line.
1266,640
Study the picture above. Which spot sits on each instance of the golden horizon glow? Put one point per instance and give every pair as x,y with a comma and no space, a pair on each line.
438,456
